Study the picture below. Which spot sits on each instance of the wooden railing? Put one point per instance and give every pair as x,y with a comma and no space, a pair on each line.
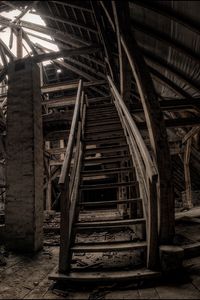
69,178
146,172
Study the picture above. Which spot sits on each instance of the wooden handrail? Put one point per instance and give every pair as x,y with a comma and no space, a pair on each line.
150,166
69,179
146,172
69,150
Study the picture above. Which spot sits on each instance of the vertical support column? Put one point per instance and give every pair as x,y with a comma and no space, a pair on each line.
188,188
24,203
49,185
19,43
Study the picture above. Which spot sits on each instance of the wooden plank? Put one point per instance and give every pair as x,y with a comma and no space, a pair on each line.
109,246
102,160
109,149
106,141
109,202
188,186
47,88
112,223
106,171
106,276
91,187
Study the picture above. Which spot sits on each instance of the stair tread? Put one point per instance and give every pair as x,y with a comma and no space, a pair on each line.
104,123
109,246
106,149
107,158
104,223
107,141
116,275
106,185
106,171
102,203
108,129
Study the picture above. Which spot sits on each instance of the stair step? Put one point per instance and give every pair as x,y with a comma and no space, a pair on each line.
109,159
109,246
108,224
102,118
109,123
109,202
92,101
96,124
106,171
104,129
107,276
101,107
106,149
102,134
106,140
107,185
94,111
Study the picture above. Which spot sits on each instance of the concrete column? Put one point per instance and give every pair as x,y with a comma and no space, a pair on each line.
24,203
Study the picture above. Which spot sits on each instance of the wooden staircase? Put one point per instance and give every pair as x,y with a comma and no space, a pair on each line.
108,199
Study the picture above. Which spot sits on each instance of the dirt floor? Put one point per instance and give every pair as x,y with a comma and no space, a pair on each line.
26,277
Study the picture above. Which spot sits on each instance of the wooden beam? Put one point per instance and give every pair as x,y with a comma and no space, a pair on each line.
107,45
124,67
65,53
164,38
173,123
172,69
57,34
79,7
190,134
186,162
169,83
80,73
19,44
85,66
68,21
7,50
48,88
64,46
170,13
173,104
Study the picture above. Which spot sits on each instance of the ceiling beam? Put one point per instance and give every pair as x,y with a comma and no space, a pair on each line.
80,73
170,14
64,53
161,36
173,104
171,69
68,21
83,8
7,50
173,123
169,83
57,34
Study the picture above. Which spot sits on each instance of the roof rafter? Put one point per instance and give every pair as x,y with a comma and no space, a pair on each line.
173,70
169,13
68,21
169,83
150,31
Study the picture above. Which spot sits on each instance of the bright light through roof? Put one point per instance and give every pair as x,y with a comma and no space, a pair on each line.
33,18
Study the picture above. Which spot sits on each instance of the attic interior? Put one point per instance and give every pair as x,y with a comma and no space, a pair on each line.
99,149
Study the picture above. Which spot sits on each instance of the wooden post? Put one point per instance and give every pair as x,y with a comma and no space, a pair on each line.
186,161
19,44
49,187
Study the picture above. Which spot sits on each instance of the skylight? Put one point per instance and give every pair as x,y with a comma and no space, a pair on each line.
33,35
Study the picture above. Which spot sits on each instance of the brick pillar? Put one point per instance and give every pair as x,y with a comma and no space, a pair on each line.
24,201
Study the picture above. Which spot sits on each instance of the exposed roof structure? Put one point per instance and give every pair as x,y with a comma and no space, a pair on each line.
116,93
